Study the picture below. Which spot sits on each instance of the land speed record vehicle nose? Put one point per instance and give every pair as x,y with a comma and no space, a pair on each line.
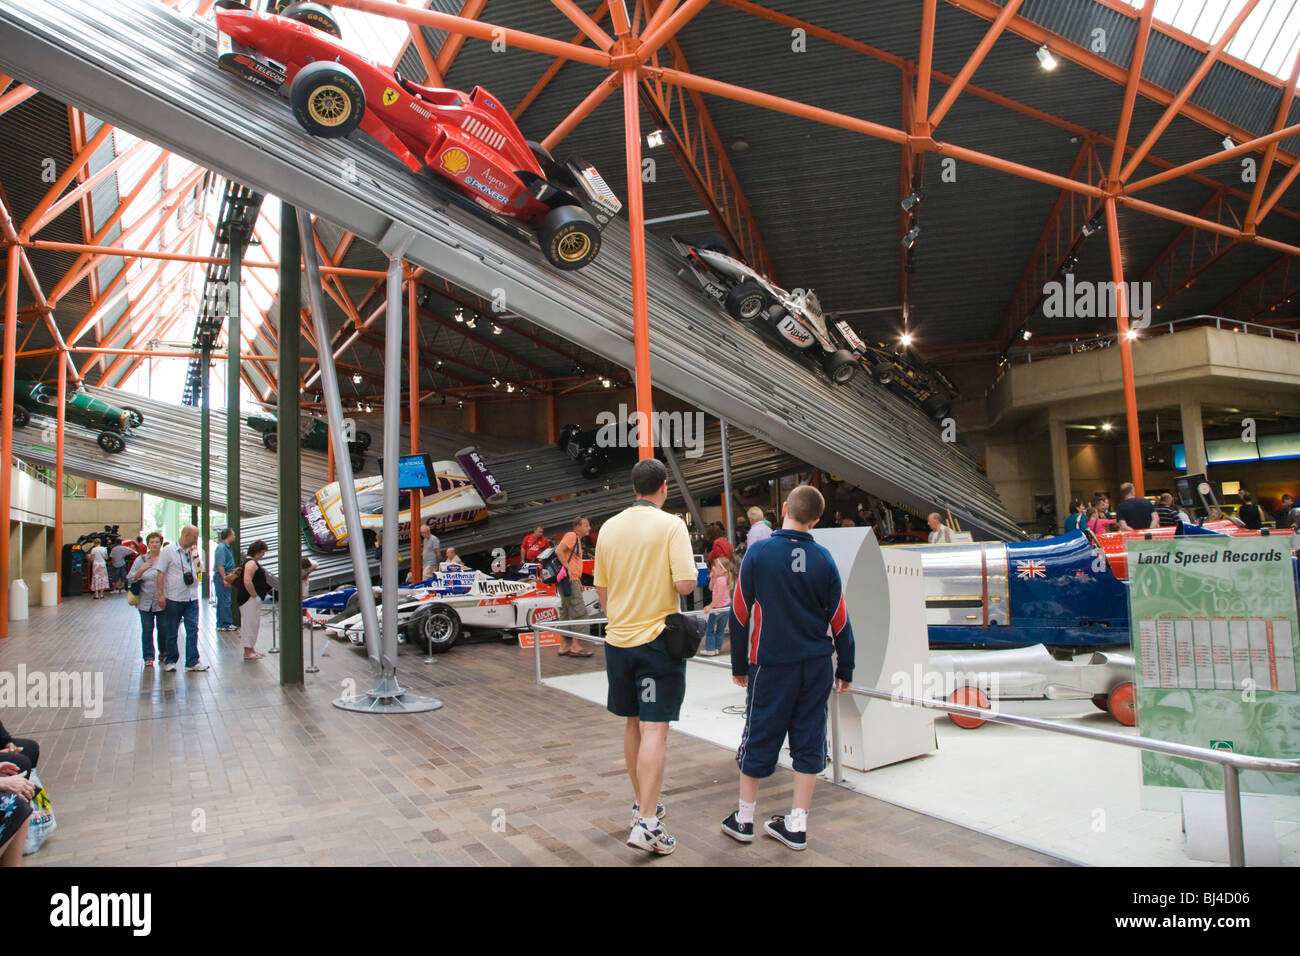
466,140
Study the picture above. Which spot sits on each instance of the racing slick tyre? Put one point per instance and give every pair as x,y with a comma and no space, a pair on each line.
440,629
746,301
714,243
971,697
841,365
937,407
570,238
327,99
133,416
111,442
883,374
314,15
21,416
1123,703
271,440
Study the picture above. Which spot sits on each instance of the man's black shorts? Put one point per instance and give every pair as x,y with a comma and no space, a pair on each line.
645,682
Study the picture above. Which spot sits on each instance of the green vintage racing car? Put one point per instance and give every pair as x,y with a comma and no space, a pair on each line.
314,433
80,408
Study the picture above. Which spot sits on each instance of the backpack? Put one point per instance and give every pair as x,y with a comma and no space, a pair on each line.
552,568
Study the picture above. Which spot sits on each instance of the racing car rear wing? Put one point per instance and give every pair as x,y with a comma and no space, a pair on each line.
479,473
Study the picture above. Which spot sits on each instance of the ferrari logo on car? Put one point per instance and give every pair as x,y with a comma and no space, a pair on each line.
390,96
454,160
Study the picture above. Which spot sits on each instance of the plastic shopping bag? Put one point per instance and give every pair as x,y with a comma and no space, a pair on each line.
42,820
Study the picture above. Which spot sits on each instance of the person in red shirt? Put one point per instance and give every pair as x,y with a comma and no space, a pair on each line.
721,547
534,544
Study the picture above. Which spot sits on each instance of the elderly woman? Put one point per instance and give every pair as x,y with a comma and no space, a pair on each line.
150,603
98,569
16,793
250,590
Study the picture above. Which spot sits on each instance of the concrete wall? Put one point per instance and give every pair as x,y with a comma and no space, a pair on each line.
82,515
1020,466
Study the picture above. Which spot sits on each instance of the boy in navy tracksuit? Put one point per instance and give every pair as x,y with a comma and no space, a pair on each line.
787,617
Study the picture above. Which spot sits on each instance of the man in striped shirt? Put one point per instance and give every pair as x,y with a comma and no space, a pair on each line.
788,617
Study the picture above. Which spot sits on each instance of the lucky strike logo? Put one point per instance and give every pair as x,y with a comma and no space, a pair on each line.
543,614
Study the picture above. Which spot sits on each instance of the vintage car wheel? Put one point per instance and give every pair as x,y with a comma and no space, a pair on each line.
134,418
21,416
746,301
937,407
1123,703
971,697
271,440
363,439
841,365
440,629
593,463
314,15
569,237
327,99
111,442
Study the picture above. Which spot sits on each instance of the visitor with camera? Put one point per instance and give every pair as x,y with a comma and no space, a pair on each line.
178,584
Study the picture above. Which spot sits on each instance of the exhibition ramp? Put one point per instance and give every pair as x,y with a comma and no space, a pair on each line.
134,63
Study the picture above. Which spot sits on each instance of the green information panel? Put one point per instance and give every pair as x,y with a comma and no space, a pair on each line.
1214,632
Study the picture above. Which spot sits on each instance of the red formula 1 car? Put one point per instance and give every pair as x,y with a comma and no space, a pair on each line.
469,141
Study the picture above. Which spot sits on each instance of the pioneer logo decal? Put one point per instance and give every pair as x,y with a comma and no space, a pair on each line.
487,190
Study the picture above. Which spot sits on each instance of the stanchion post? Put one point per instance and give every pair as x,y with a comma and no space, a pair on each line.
837,765
1232,802
537,654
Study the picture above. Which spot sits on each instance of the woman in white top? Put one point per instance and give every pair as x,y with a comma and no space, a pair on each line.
98,570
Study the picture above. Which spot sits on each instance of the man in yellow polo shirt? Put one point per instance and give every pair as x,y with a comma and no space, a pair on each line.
643,564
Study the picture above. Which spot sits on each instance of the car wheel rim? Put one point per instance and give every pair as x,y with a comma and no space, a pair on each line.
842,375
574,246
438,629
750,307
329,106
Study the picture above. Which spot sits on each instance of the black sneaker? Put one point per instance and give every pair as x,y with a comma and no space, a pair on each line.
744,832
776,828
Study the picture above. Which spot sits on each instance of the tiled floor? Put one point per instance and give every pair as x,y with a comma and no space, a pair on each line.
230,768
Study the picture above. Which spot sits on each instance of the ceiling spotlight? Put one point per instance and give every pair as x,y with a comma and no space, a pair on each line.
579,370
1131,334
1069,265
739,144
606,382
1026,334
655,139
460,315
1106,426
471,322
439,363
912,235
496,329
1229,143
522,390
1093,224
460,404
356,378
906,339
509,387
496,383
911,201
1045,58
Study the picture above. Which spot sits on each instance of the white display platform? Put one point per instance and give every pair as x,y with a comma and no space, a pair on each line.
1073,798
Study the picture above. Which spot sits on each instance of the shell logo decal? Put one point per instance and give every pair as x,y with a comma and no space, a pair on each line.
390,96
454,160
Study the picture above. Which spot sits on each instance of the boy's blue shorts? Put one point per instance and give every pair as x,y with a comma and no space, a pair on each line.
781,700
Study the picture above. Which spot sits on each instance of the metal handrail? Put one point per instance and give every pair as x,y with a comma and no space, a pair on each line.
1232,763
1029,353
36,472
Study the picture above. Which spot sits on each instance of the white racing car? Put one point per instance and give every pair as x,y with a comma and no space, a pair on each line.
459,495
456,602
795,317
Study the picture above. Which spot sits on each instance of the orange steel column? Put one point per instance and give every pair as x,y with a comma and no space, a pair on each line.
58,476
1125,349
636,227
413,387
7,429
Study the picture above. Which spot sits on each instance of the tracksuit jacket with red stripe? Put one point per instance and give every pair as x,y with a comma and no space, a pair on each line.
789,606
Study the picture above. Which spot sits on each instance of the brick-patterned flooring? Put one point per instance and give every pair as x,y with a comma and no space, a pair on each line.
230,768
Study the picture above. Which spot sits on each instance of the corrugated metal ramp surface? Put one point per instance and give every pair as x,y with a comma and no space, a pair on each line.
162,458
533,478
133,63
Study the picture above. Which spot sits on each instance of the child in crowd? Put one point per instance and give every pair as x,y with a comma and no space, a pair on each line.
722,579
789,591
